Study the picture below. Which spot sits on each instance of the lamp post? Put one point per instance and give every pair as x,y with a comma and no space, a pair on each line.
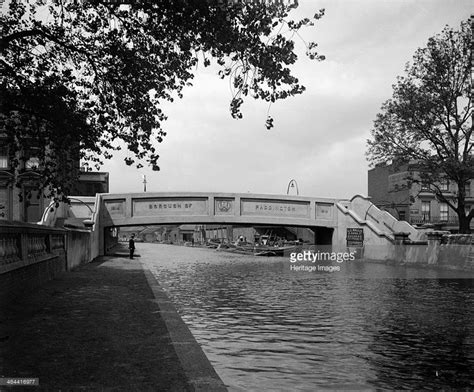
144,182
292,184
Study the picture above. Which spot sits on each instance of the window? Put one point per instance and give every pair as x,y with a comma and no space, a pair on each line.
443,212
401,215
468,189
444,185
425,185
32,162
32,205
3,157
426,210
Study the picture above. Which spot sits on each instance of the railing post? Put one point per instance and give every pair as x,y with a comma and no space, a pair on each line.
434,237
400,247
434,246
24,246
48,243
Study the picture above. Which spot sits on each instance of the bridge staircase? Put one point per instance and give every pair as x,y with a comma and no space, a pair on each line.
361,210
77,214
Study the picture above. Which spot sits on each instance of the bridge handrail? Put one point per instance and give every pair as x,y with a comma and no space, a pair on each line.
382,217
94,219
47,213
345,210
51,212
94,225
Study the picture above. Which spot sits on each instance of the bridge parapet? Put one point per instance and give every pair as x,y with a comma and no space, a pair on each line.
175,208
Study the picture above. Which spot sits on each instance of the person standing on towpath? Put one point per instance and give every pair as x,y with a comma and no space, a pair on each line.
131,245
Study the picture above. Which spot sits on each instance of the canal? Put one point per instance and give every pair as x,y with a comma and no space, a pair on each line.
369,326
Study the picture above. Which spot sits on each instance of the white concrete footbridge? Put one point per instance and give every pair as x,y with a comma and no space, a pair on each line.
335,219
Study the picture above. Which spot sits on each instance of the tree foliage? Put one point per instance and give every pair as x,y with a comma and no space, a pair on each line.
79,77
428,120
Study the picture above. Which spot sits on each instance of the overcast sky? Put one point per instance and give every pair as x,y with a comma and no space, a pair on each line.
319,138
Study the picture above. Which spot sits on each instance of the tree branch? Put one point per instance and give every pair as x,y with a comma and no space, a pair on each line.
5,41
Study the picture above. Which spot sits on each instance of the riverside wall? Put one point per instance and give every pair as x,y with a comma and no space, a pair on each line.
439,250
30,255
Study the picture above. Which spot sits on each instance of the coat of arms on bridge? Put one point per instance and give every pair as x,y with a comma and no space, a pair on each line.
224,205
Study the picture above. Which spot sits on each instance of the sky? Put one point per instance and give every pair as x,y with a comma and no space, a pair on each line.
319,137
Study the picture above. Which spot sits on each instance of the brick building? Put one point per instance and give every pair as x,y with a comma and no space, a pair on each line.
390,189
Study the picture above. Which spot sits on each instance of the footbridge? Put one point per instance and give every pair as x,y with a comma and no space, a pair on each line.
205,208
340,222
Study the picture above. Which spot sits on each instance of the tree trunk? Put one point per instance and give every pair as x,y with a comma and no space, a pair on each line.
464,223
464,219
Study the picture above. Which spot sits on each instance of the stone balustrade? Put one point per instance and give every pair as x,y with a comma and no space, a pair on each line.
9,248
32,254
23,244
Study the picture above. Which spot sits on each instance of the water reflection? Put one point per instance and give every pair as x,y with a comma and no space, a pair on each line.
371,326
425,336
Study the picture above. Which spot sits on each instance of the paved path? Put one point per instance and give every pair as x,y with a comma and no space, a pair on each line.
99,327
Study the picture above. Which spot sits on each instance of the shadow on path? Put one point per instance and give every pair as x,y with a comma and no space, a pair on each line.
94,328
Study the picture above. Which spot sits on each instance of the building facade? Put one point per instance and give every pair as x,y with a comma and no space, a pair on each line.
391,189
91,183
25,203
22,203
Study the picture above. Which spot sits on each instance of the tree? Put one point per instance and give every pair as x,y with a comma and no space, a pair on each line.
78,77
428,120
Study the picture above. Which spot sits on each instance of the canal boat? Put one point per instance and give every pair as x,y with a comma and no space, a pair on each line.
266,245
276,250
257,249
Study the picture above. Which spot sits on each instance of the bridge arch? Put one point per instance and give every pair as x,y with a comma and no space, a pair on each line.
316,236
143,209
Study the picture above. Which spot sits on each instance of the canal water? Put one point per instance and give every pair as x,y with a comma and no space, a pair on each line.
369,326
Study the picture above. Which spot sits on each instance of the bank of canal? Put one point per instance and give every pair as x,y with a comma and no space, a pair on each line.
265,327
